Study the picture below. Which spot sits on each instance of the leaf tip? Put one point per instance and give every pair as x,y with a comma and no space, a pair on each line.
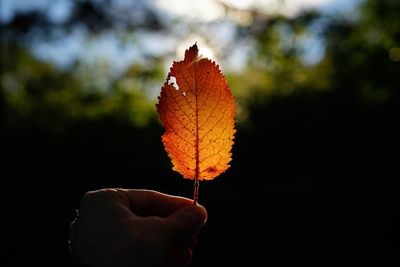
192,53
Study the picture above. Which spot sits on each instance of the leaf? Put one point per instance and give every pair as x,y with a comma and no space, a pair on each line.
197,109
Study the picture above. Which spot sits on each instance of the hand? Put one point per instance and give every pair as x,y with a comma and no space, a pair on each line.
128,227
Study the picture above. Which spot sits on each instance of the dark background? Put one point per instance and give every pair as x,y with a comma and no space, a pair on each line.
314,178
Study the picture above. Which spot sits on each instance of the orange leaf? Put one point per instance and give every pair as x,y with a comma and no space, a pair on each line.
197,110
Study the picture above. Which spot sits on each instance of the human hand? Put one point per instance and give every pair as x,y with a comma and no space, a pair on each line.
129,227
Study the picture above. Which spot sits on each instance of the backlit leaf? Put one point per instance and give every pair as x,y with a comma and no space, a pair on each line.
197,109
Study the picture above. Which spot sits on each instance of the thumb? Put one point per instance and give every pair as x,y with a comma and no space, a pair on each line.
187,221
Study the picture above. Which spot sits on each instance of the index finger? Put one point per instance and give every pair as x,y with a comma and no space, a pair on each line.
153,203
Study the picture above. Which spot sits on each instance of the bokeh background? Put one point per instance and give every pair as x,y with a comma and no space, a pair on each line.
315,169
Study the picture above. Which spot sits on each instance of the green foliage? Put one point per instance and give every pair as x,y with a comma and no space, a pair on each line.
48,97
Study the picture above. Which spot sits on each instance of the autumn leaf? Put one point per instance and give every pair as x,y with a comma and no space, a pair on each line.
197,109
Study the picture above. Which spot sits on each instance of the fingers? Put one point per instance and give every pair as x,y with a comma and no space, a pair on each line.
179,257
164,227
152,203
103,204
186,222
183,227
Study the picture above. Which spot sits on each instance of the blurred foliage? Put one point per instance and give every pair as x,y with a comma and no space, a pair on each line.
313,150
50,97
274,68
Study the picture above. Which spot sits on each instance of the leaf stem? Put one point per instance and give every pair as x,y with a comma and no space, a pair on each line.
196,190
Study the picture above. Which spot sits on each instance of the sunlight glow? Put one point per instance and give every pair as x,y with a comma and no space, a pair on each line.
205,49
211,10
193,9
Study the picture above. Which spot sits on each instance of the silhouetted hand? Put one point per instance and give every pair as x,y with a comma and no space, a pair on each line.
128,227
